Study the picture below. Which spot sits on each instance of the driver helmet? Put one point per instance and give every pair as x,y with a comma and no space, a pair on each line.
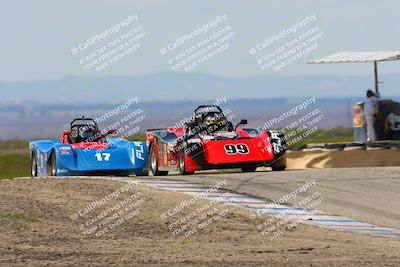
87,132
214,121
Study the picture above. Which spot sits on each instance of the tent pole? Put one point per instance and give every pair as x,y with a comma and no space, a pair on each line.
376,77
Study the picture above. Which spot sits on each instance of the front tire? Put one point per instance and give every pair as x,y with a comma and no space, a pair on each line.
182,163
34,172
142,173
154,163
53,164
249,169
122,174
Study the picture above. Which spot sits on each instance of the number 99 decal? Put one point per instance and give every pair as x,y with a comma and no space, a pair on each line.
236,149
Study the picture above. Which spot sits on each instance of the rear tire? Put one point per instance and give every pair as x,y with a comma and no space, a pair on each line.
249,169
154,163
122,174
53,164
182,163
34,166
280,164
142,173
278,168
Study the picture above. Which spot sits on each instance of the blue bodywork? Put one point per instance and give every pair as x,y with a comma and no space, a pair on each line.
121,157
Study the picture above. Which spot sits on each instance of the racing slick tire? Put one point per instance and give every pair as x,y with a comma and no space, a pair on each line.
121,173
53,164
249,169
154,163
142,173
34,172
182,163
280,164
145,171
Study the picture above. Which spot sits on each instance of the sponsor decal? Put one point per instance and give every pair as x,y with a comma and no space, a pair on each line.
66,150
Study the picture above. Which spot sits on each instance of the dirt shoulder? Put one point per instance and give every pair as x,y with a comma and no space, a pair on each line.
37,229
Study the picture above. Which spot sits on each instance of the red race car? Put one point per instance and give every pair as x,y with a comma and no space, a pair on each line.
210,141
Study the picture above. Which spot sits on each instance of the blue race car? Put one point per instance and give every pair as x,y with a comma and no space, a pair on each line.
84,150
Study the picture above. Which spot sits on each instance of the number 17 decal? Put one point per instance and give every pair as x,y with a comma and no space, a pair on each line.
236,149
101,156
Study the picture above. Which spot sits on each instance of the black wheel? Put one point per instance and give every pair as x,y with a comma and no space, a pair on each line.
142,173
53,164
282,168
249,169
121,173
280,164
154,163
33,166
182,163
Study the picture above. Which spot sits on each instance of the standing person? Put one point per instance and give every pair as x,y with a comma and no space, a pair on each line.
370,114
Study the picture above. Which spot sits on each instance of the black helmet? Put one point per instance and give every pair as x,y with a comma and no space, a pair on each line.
370,93
214,121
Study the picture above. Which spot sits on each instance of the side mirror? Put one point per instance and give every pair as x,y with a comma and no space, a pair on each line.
240,123
65,137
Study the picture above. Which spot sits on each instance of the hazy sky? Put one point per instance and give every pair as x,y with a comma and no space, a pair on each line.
37,36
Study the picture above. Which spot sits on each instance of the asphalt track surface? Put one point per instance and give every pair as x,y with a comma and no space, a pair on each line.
370,195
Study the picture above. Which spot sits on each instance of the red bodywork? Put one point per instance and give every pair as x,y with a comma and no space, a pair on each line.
260,151
84,145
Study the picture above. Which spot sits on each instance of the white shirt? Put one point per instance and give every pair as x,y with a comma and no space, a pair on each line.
369,106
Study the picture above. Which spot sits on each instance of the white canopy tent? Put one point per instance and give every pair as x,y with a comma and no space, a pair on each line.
360,57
